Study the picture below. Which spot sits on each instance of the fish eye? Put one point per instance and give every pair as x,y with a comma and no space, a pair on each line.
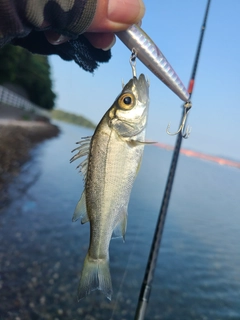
126,101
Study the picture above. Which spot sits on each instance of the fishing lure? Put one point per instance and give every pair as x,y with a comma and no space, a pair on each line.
150,55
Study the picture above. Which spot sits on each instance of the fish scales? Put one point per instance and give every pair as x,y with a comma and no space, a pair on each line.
109,187
114,156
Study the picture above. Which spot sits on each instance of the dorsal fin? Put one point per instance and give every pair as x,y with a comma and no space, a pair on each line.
81,210
83,150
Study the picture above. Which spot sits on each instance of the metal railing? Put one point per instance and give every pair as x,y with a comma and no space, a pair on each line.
10,98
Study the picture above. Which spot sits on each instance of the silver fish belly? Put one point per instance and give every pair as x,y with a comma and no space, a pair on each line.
114,155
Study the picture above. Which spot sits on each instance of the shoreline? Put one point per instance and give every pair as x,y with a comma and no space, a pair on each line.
17,138
203,156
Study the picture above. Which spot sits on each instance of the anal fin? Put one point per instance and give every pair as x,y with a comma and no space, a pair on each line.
121,227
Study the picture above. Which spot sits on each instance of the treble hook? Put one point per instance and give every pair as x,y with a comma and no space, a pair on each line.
187,107
133,62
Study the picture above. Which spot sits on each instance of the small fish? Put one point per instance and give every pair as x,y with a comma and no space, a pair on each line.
113,157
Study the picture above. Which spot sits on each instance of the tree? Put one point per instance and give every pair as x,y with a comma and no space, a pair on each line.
31,71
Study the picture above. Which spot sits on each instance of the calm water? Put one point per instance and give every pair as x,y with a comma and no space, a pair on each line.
42,251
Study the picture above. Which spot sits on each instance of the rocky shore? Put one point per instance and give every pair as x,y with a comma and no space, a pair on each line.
17,137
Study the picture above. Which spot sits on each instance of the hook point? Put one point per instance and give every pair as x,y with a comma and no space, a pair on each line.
185,135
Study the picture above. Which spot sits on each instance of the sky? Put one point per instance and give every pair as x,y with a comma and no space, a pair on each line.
175,27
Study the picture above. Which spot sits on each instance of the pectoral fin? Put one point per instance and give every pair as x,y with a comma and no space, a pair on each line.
81,210
120,229
135,143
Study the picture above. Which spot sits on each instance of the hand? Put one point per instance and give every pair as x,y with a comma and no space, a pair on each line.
111,16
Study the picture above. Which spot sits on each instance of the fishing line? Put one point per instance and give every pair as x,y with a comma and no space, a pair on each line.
152,260
134,242
124,276
132,61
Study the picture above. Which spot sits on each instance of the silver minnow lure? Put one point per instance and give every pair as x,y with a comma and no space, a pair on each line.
113,157
154,60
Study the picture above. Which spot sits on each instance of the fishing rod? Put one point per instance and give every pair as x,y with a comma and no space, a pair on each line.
152,260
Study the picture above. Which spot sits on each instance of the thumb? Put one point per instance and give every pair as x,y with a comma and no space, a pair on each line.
116,15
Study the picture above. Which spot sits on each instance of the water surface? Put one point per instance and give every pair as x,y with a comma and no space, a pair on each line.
42,251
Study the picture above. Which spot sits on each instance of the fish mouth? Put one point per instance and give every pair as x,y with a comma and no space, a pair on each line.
142,86
142,81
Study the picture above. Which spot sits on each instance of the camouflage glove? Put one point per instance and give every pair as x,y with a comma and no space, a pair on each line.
22,22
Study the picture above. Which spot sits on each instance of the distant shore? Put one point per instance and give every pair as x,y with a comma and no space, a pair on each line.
17,137
72,118
202,156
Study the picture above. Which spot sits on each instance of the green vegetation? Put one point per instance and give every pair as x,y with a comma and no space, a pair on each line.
30,71
72,118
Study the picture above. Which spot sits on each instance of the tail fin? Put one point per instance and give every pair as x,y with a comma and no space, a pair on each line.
95,276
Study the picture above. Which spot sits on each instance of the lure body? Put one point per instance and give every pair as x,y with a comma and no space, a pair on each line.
154,60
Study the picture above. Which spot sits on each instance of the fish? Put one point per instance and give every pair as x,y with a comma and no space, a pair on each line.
112,160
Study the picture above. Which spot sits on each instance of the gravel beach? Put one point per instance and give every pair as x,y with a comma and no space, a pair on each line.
17,137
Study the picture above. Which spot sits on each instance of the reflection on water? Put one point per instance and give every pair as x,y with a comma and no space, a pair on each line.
42,251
